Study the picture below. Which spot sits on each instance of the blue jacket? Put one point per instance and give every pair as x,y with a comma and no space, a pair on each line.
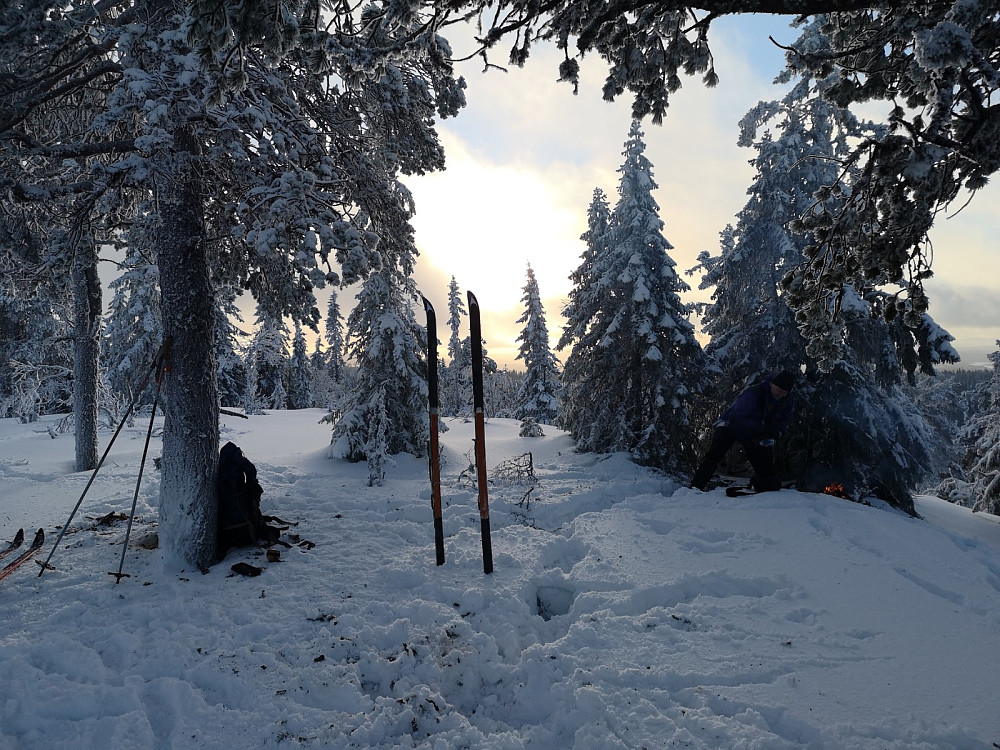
756,414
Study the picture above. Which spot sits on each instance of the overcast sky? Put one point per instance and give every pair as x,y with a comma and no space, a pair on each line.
524,157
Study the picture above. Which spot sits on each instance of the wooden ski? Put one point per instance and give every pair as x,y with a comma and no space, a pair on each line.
434,452
476,339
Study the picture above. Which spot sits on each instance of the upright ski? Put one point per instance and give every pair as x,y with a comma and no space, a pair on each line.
478,402
18,561
18,541
434,453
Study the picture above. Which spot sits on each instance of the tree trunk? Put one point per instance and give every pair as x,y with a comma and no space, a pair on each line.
86,351
191,431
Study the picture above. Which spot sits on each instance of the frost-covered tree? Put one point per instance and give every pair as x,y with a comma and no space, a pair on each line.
133,331
383,337
799,142
750,323
232,369
253,405
35,331
299,381
87,318
983,436
377,449
583,412
334,334
648,365
456,395
502,392
267,357
538,400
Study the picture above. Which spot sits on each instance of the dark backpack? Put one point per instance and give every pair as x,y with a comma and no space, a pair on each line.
241,524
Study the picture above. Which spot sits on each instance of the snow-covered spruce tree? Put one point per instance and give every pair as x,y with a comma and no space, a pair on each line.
252,403
491,394
377,448
650,365
538,401
383,337
232,370
584,413
334,334
456,393
35,331
267,356
983,436
299,381
751,327
501,392
753,331
133,331
856,424
948,401
72,228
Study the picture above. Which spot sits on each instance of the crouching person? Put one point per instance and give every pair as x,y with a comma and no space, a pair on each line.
755,420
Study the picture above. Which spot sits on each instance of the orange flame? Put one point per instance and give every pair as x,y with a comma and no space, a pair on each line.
836,489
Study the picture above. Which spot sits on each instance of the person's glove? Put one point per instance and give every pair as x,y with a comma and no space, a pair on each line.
767,443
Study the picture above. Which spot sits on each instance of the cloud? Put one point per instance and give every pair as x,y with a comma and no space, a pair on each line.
971,306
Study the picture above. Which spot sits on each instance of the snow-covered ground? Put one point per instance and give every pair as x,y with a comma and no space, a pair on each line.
624,611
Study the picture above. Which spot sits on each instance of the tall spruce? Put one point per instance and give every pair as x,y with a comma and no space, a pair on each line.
538,401
583,410
35,331
334,335
456,393
268,360
647,364
299,378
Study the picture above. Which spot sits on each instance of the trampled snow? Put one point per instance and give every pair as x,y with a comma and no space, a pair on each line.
624,611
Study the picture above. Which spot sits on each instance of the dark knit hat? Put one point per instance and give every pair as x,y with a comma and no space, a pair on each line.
785,380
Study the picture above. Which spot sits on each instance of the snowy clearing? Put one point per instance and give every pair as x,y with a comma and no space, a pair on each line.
624,611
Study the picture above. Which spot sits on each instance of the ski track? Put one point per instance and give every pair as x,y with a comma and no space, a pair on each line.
314,653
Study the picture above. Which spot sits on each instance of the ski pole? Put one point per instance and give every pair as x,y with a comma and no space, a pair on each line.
128,411
142,464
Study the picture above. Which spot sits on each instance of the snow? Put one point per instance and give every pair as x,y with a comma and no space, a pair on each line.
624,611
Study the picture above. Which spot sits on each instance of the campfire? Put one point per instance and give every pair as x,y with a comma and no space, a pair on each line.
837,490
